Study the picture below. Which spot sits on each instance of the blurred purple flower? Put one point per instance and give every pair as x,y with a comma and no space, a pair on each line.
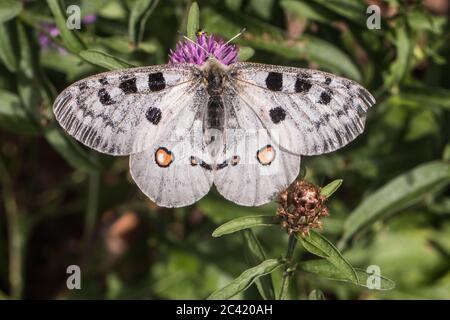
89,19
188,52
52,30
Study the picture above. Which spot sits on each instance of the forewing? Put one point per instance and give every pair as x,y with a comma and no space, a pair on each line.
251,170
120,112
175,181
316,112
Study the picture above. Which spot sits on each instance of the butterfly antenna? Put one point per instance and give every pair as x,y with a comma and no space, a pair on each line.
195,43
237,36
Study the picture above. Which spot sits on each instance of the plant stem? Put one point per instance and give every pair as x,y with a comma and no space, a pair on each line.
91,209
16,236
287,272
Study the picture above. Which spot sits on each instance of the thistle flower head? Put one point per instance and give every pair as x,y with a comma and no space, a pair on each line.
188,52
301,207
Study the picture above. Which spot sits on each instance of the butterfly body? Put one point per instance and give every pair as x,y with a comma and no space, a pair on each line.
242,127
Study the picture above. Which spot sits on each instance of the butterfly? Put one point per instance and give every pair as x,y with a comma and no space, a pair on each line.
206,119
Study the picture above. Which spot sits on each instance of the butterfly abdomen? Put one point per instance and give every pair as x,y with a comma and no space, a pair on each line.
214,113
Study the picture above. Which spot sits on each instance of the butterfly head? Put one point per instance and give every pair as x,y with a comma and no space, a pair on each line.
204,48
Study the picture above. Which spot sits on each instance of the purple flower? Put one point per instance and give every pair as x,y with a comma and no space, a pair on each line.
188,52
89,19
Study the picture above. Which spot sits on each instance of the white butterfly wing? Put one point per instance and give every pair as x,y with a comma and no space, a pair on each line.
251,170
315,112
166,172
122,112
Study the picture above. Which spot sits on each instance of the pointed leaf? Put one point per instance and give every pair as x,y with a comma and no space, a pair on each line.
255,255
245,53
7,55
331,188
246,278
325,269
193,22
353,10
320,246
9,9
104,60
404,45
405,190
244,223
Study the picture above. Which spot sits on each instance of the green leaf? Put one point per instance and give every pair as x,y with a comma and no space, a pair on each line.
71,152
193,22
13,116
7,55
246,278
245,53
331,188
255,255
220,211
244,223
104,60
405,190
404,45
308,10
423,96
325,269
141,11
320,246
72,42
353,10
316,294
9,9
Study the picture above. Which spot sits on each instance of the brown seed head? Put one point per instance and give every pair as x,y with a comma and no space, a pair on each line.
301,207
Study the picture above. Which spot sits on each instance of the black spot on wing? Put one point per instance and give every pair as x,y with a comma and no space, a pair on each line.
82,86
277,114
104,97
302,85
128,86
340,113
156,81
206,166
327,80
222,165
325,97
274,81
153,115
103,81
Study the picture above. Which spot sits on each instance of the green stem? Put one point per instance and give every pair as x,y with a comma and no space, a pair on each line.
16,237
91,208
287,270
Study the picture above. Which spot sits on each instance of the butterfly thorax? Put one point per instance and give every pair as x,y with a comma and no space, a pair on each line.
213,122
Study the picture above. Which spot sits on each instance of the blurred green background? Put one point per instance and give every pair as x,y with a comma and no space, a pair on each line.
63,204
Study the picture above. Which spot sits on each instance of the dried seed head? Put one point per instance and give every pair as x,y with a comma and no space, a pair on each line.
301,207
